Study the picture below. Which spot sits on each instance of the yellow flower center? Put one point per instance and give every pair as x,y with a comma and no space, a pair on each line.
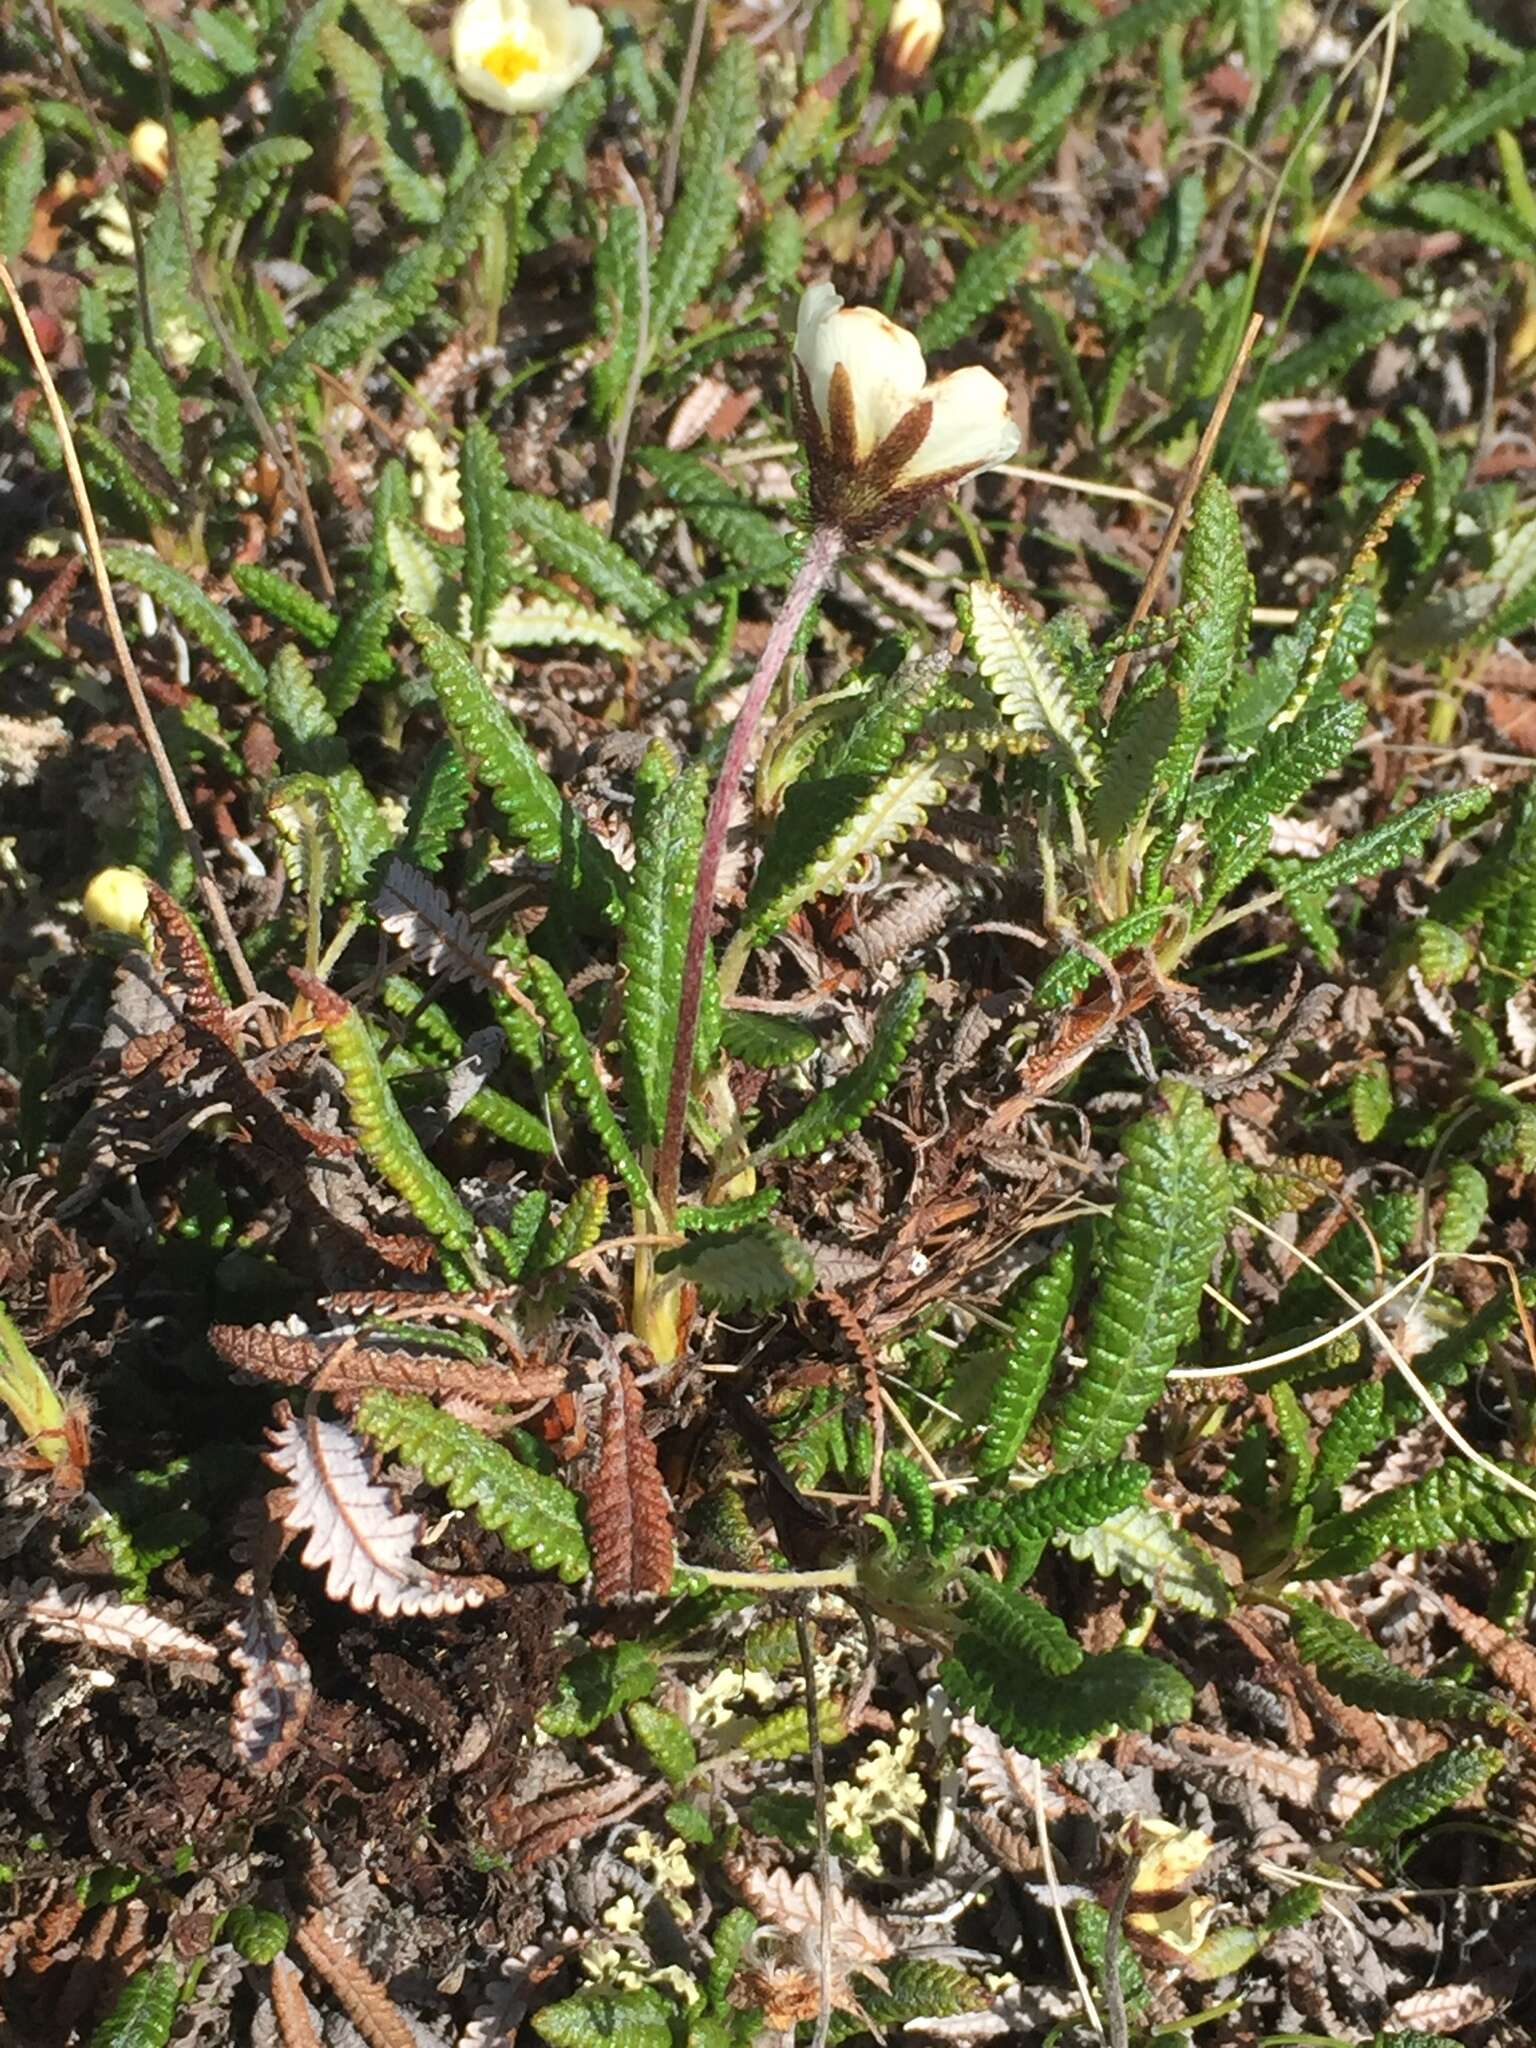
515,56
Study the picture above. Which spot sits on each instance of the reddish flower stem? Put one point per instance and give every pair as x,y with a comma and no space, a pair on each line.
814,575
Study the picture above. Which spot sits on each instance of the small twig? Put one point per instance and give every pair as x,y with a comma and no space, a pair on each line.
685,85
234,368
1053,1886
838,1578
1114,1991
823,1852
1054,480
1421,1392
119,185
1193,478
148,730
619,440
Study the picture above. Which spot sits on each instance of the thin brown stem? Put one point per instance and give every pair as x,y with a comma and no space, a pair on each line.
234,368
821,558
1194,477
1115,2018
148,730
668,189
824,1932
104,158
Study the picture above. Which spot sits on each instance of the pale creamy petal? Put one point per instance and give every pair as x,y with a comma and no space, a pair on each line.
971,428
584,41
523,56
884,363
813,347
885,368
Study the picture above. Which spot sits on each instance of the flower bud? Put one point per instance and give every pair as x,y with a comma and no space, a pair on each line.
149,147
116,900
911,38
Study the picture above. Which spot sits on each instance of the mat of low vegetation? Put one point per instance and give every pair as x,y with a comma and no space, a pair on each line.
769,1061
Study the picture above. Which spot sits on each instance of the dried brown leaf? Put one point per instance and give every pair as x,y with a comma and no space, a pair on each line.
356,1530
365,2001
629,1512
340,1364
1512,1662
290,2008
793,1905
540,1827
183,963
419,917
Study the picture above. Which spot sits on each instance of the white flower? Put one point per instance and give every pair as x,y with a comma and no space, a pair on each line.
879,434
521,56
911,37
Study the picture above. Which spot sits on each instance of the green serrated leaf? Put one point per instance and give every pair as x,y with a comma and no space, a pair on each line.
574,1056
1217,584
439,805
566,541
986,278
838,1111
1363,1675
1388,845
145,2010
669,830
1147,1547
1458,1502
757,1267
1138,748
1024,1368
21,184
608,2019
826,832
384,1134
1168,1223
154,408
209,624
484,492
1416,1797
1049,1718
1287,764
716,509
529,1510
507,765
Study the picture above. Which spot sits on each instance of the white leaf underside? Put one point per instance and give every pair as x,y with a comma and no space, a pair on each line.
419,917
1020,671
365,1545
275,1692
100,1621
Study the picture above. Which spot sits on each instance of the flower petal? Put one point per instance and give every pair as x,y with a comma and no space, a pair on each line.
522,56
971,428
884,363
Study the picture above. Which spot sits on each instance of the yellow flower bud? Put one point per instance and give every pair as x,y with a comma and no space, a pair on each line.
116,900
150,148
911,38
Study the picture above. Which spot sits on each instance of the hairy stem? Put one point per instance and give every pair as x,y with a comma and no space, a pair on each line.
815,573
